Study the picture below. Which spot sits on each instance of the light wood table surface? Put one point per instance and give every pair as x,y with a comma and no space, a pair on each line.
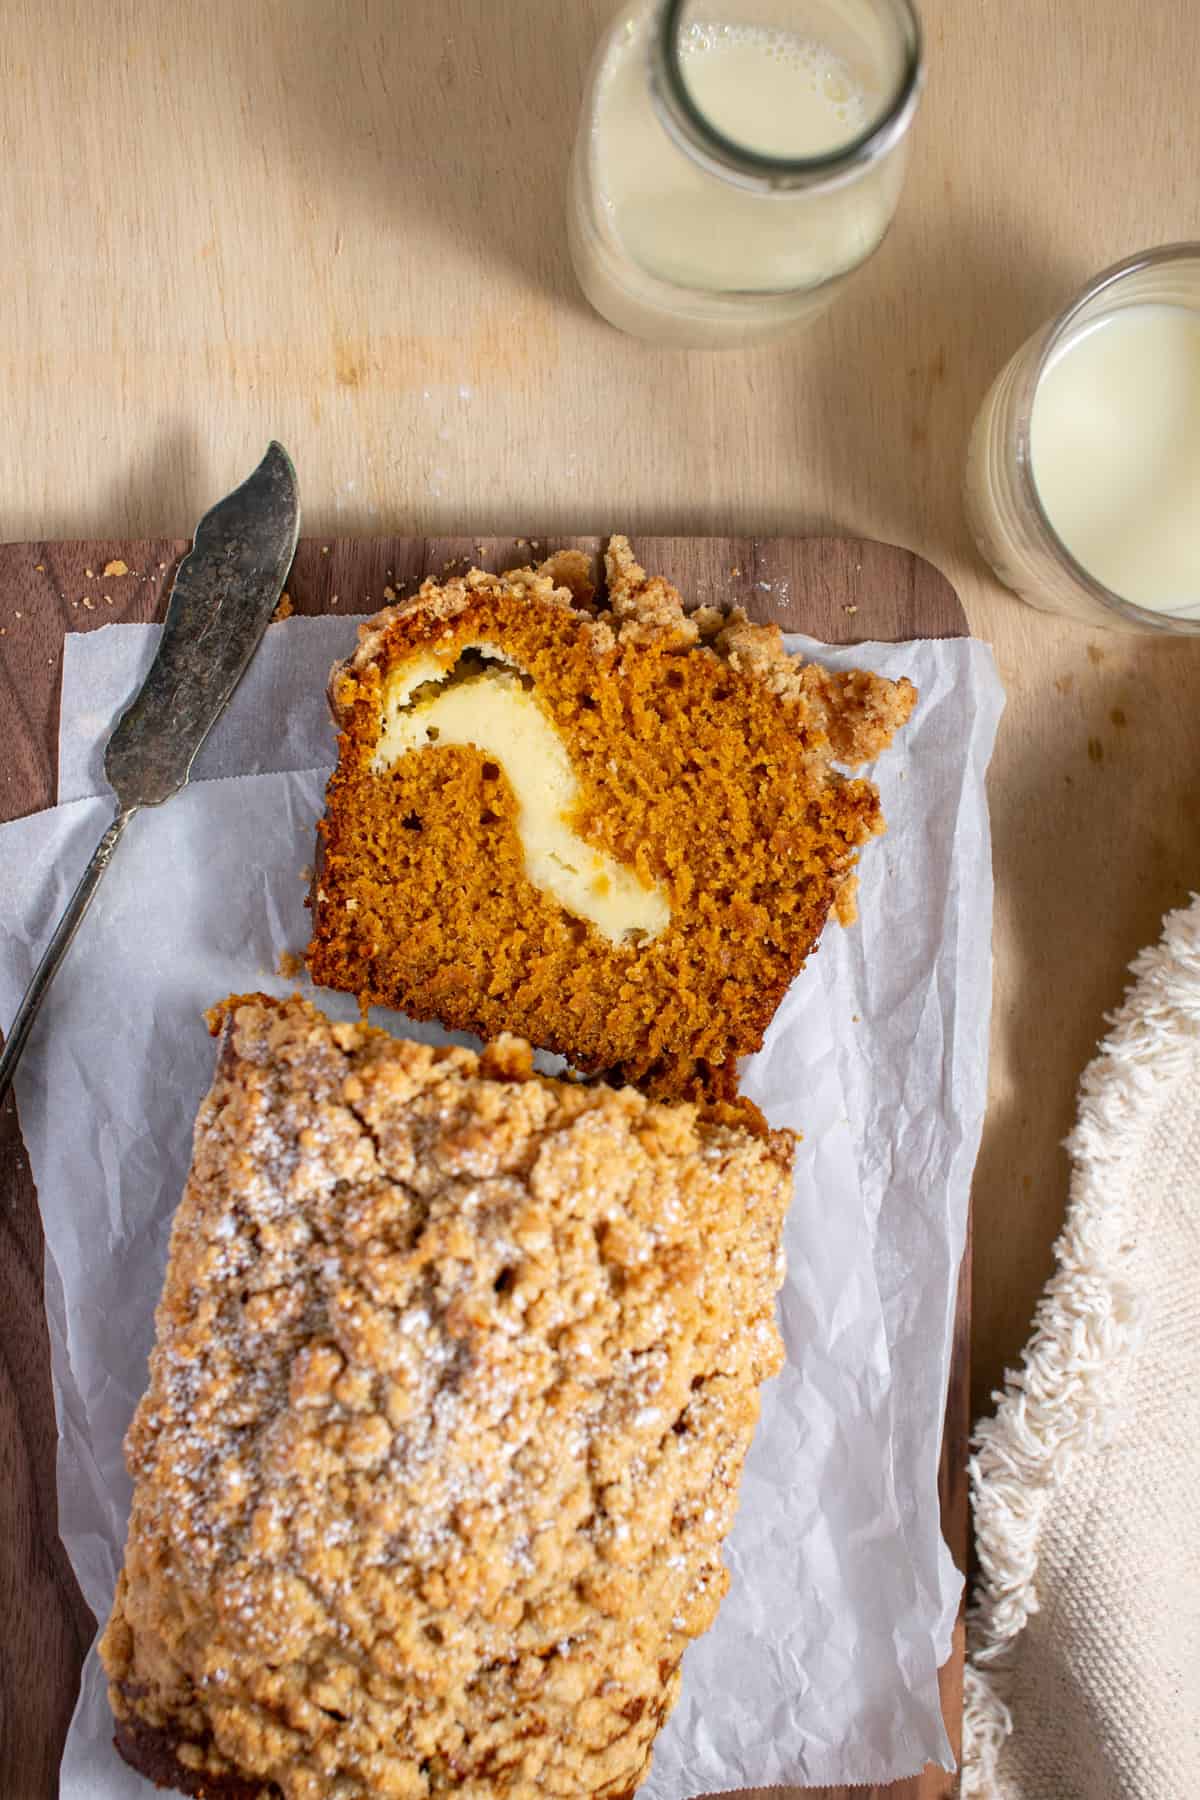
341,224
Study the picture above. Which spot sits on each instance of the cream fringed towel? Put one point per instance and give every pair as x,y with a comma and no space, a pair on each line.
1084,1642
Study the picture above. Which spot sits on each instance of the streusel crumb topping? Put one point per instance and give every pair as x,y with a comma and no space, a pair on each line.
456,1368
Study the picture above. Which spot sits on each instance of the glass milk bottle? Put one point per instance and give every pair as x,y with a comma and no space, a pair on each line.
1083,469
737,160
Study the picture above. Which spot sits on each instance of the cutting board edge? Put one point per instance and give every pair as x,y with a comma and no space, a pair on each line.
49,601
153,562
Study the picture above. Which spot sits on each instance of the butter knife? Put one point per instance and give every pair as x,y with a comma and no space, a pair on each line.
224,593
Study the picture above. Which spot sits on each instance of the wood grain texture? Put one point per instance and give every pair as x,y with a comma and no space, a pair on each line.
838,590
343,225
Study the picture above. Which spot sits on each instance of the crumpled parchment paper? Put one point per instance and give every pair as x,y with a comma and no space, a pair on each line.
822,1665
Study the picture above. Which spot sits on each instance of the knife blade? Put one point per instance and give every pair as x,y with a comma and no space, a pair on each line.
224,593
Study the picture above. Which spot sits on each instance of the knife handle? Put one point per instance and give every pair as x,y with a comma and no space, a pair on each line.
57,948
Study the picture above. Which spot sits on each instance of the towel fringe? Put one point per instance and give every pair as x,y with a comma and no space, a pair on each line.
1067,1395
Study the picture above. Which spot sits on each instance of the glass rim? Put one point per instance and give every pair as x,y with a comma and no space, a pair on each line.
1187,250
733,161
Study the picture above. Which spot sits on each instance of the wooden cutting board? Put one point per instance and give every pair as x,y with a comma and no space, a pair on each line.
837,589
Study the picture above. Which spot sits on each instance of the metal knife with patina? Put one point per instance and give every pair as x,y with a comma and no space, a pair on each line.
225,590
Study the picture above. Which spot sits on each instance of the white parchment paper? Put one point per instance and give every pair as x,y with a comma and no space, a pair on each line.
822,1665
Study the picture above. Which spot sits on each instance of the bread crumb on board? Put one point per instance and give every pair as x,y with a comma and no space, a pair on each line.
116,567
284,610
290,964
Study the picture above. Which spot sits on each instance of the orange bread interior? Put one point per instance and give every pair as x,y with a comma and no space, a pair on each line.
704,791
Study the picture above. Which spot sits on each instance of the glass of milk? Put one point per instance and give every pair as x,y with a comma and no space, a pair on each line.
738,159
1083,472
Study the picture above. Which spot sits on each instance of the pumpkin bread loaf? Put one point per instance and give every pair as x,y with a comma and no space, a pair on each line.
616,829
456,1368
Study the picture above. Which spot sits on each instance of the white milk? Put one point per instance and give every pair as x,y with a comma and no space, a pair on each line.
770,92
676,222
1115,450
